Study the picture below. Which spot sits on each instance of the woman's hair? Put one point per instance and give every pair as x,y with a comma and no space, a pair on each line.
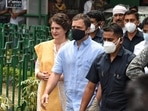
61,19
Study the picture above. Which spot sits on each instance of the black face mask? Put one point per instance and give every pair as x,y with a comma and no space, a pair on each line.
78,34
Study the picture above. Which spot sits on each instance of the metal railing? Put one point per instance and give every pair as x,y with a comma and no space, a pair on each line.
17,57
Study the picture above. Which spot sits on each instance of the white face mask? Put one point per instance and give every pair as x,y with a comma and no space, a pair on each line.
145,35
130,27
109,47
92,28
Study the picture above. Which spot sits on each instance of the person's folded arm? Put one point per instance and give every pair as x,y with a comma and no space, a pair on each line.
136,66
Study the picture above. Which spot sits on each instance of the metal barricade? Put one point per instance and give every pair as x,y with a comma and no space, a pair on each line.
17,58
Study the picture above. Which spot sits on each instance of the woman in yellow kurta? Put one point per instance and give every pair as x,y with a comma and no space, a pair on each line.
46,53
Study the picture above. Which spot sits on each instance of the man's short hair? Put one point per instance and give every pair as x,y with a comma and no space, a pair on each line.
115,28
95,14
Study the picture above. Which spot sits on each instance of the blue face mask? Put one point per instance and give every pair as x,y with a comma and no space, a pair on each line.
78,34
145,35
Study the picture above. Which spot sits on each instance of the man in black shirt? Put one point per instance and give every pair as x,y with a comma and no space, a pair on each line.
132,35
95,30
109,69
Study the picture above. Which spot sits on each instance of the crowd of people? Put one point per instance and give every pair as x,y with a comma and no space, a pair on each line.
100,63
100,69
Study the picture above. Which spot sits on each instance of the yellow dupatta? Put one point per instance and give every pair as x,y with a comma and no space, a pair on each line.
45,54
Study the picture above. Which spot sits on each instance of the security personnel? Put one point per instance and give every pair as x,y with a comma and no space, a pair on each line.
109,69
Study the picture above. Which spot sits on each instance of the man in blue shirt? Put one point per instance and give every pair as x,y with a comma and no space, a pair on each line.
109,69
73,61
